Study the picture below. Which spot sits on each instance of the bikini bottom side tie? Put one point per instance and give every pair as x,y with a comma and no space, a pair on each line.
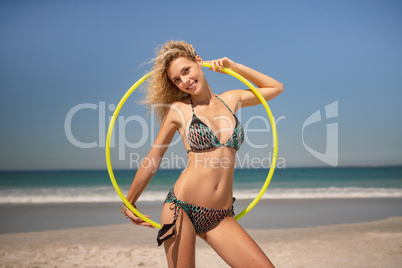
203,219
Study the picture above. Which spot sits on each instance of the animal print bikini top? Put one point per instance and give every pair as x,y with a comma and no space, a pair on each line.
201,137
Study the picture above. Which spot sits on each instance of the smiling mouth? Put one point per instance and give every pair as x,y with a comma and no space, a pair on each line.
192,85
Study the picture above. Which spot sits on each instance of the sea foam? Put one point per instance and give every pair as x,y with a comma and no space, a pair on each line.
108,194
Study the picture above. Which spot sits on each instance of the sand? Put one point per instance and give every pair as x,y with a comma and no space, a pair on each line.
369,244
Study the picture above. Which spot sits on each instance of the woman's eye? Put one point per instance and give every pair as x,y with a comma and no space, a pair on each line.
187,70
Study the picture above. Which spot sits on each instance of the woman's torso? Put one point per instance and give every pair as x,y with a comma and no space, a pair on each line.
208,179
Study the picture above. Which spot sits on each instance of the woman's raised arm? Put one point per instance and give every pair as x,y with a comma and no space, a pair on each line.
267,86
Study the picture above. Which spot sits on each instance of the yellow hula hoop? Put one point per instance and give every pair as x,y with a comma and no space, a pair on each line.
208,65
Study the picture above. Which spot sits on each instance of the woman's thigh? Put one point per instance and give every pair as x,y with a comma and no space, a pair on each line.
180,249
235,246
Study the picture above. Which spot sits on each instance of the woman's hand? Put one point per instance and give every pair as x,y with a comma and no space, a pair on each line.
267,86
136,220
218,64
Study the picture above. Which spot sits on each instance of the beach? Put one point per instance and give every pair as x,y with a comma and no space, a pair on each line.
293,233
371,244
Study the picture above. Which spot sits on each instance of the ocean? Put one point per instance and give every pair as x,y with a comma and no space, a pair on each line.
91,186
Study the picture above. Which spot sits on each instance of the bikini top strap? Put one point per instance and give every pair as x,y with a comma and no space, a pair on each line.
192,105
224,103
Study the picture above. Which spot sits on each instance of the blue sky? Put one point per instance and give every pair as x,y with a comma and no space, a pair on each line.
57,56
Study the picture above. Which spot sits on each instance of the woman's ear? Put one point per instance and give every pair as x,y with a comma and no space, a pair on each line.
199,60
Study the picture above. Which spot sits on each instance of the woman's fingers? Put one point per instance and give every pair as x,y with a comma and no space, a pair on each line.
146,224
218,64
137,220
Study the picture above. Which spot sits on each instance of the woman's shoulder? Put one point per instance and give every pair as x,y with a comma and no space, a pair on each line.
182,105
231,98
177,111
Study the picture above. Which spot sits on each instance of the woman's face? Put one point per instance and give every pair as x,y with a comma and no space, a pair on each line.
186,74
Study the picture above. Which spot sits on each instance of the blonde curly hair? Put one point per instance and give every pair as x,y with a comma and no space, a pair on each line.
160,89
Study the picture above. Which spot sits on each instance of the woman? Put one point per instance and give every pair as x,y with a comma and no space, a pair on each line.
201,202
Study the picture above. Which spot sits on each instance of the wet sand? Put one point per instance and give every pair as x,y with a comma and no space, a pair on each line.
293,233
